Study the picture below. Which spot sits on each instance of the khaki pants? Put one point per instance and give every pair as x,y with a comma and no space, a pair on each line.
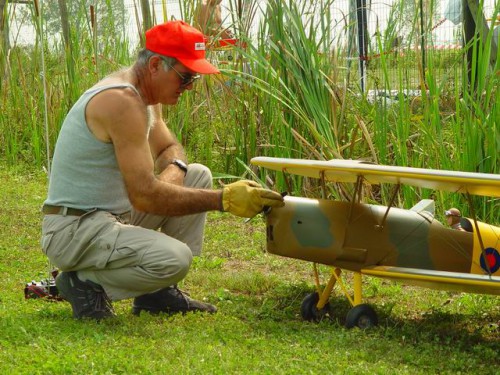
127,255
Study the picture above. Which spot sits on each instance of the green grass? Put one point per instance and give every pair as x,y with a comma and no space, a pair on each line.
258,328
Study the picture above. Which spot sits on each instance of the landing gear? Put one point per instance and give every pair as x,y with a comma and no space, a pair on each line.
362,316
309,309
315,305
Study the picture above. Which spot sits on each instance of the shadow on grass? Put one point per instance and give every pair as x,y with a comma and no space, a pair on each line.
434,326
277,311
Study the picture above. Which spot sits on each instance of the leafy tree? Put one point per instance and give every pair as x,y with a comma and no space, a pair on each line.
110,17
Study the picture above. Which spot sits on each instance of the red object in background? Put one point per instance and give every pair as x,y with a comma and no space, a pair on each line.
228,43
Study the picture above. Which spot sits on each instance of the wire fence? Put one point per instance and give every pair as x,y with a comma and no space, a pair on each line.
403,35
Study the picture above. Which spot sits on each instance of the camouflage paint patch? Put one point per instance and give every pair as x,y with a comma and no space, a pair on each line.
410,237
311,227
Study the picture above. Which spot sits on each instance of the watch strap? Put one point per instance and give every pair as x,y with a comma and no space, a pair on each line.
181,165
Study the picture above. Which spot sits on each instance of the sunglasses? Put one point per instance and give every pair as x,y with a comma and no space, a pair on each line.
186,78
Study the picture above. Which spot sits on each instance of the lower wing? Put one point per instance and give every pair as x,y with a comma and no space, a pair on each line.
464,282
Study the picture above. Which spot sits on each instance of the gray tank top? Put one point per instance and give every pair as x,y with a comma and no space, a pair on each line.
85,173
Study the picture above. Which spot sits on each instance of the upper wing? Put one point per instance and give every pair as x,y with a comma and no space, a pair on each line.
339,170
464,282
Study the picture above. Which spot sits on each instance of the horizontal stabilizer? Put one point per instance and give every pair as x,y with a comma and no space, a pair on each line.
425,205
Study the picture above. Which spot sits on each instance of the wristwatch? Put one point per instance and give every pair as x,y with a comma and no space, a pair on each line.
182,166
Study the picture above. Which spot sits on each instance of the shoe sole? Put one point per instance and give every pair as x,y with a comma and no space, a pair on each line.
151,310
156,311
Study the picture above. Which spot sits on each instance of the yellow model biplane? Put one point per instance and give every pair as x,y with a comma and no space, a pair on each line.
407,245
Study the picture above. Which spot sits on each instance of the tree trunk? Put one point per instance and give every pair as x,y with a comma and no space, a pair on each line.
4,27
4,42
147,23
475,26
63,11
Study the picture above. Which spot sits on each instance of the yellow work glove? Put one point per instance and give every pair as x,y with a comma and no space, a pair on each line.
247,198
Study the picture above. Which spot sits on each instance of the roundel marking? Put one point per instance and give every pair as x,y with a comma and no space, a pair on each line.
492,257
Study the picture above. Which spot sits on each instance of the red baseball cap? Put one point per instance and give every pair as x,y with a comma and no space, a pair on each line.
179,40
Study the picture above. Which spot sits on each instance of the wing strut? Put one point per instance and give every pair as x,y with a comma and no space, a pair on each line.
393,198
323,185
356,197
287,180
480,239
359,187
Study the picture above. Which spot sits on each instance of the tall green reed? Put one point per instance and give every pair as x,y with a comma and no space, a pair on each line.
289,93
286,66
289,69
70,67
476,129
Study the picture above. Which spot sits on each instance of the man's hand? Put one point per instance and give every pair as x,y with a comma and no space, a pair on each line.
247,198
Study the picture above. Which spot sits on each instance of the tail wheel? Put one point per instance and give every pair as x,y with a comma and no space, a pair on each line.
362,316
310,311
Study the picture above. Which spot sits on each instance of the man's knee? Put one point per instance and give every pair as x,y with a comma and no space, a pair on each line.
199,176
170,263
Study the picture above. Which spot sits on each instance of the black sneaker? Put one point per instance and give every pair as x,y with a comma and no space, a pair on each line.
88,299
169,300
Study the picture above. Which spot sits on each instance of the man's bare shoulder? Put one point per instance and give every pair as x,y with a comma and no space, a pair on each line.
118,98
114,107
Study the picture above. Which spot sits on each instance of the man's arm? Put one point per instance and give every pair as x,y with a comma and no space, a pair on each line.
165,148
119,116
122,117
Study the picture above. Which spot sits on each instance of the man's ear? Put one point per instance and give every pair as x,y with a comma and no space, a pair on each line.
155,63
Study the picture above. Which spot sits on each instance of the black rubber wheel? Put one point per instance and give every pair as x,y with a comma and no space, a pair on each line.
362,316
309,311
